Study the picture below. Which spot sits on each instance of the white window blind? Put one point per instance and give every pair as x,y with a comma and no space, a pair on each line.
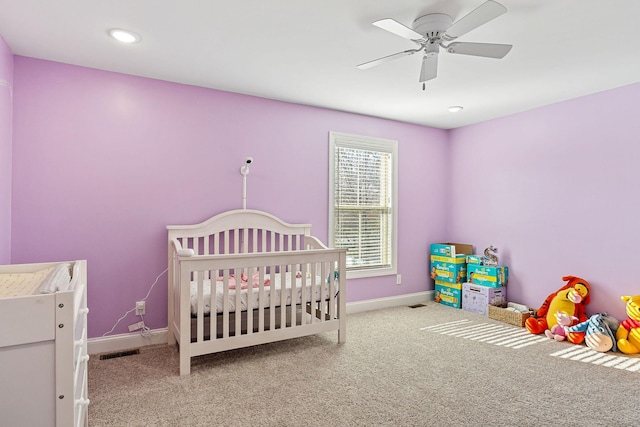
363,202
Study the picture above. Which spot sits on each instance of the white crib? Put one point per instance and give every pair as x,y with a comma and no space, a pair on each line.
244,278
43,346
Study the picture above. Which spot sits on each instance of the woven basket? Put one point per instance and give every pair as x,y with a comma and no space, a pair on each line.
508,316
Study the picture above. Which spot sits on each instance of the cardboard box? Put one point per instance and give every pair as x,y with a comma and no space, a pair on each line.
488,276
458,259
449,269
451,250
478,298
474,259
448,294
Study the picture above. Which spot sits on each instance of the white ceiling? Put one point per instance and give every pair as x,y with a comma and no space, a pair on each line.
305,51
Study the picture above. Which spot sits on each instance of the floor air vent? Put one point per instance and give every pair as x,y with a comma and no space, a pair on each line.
417,305
119,354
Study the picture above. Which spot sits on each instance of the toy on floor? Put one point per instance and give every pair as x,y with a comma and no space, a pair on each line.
628,334
599,332
558,331
570,299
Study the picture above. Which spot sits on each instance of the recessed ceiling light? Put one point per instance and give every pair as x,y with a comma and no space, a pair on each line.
124,36
455,108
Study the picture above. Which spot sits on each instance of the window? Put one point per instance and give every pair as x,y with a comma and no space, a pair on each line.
363,202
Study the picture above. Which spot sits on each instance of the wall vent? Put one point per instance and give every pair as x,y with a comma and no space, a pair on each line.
119,354
417,305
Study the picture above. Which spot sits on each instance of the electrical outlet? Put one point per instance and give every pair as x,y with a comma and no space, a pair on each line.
136,326
140,308
399,279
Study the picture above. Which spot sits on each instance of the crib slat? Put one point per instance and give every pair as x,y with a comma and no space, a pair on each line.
250,292
294,295
238,303
206,245
283,298
272,298
226,241
332,290
225,304
304,283
313,284
325,290
323,301
200,311
254,240
293,271
213,274
342,300
314,288
245,240
260,299
262,240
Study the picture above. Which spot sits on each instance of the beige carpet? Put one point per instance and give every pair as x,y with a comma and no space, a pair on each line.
427,366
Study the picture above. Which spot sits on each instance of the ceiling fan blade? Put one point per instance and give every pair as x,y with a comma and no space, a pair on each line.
429,68
388,58
477,17
397,28
487,50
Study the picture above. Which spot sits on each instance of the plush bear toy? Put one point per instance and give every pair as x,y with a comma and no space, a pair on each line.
570,299
628,334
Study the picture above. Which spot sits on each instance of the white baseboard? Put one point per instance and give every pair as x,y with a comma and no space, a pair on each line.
159,336
388,302
126,341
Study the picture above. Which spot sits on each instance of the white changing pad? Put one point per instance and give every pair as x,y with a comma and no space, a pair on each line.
45,281
274,287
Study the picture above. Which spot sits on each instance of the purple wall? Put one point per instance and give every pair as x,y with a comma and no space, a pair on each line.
103,162
6,120
555,190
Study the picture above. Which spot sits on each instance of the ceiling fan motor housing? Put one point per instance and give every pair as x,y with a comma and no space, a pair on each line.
430,31
432,25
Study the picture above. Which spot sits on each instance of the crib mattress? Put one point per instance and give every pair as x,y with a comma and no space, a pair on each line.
249,296
45,281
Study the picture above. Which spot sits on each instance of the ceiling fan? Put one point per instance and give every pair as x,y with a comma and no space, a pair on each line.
431,32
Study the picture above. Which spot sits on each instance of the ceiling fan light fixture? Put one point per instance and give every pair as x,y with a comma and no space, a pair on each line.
124,36
430,32
455,108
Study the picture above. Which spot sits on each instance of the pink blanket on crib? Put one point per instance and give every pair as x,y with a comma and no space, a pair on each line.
244,281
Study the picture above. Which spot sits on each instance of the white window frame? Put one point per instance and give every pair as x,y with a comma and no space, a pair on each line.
372,144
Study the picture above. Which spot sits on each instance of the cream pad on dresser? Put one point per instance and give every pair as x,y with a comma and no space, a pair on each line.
45,281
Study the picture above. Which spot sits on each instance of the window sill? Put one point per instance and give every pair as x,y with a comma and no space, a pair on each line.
359,274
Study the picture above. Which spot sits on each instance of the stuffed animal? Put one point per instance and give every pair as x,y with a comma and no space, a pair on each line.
558,331
628,334
490,258
598,329
570,299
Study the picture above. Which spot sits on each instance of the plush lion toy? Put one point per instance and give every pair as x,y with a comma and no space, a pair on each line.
628,334
570,299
